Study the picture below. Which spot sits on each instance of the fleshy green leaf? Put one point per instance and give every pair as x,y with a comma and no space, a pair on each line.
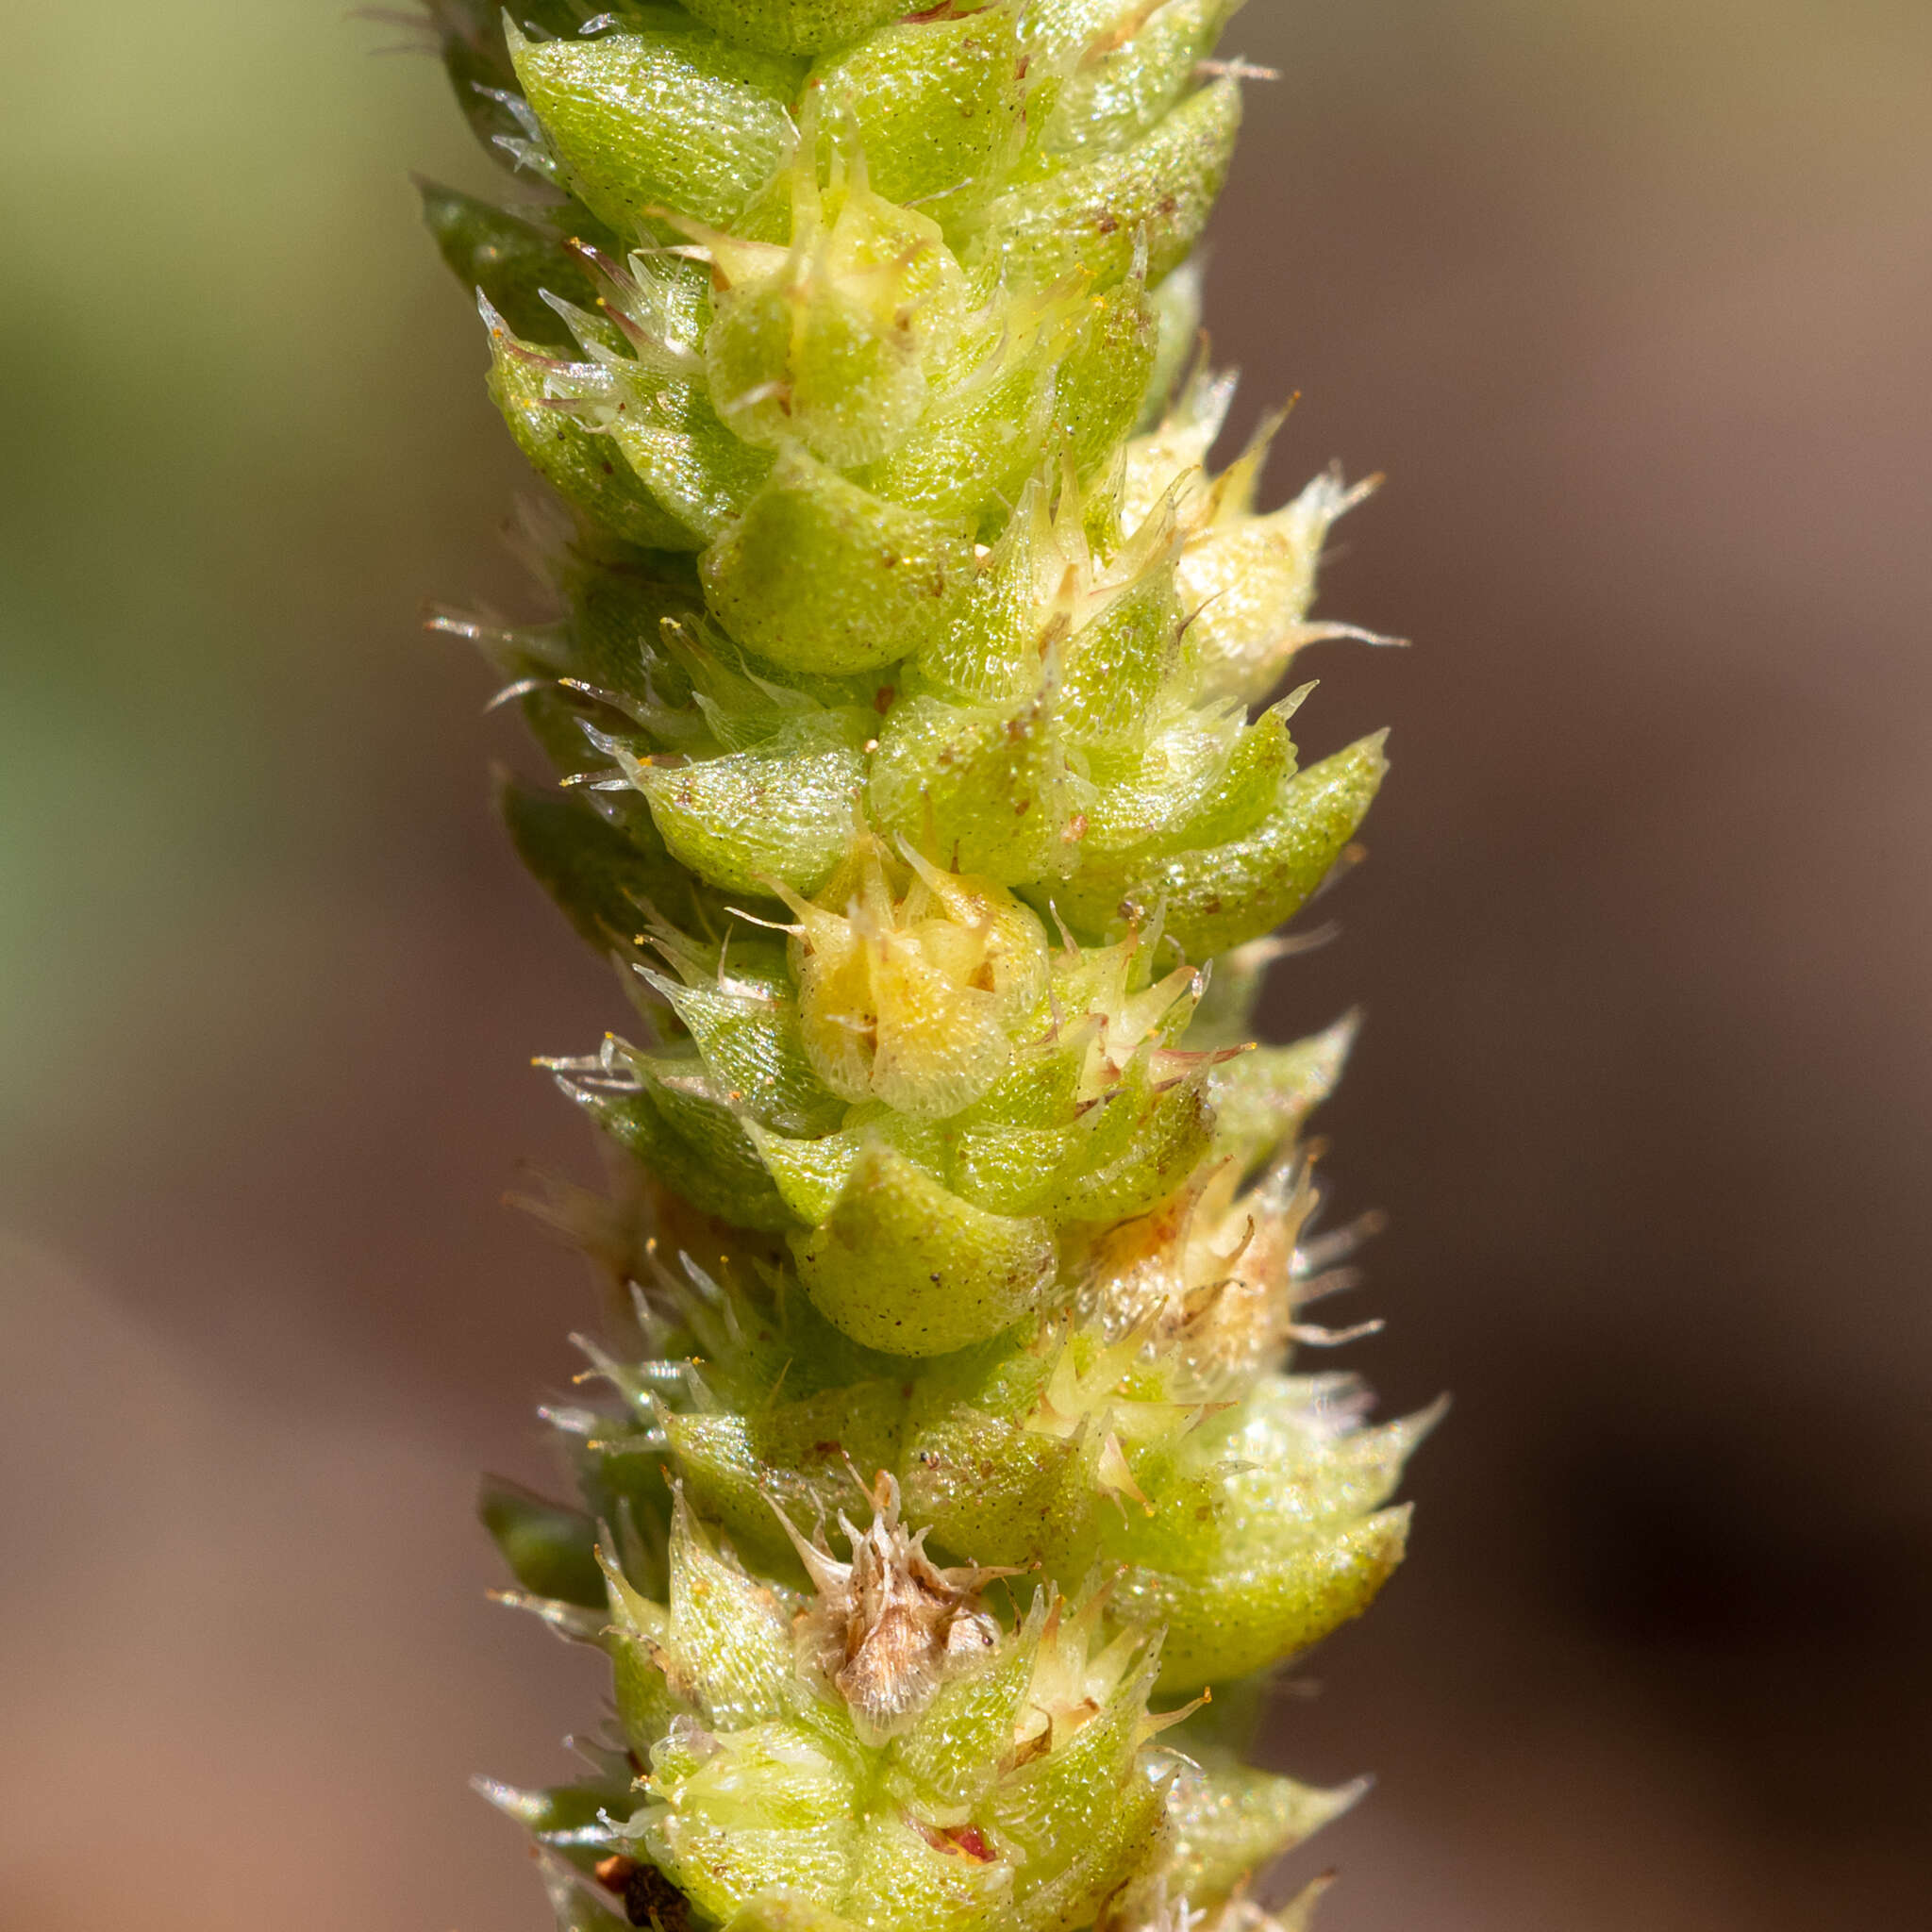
551,1551
822,576
784,811
1089,218
665,118
903,1265
1218,896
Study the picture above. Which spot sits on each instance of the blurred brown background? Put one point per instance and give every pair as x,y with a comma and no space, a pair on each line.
1633,301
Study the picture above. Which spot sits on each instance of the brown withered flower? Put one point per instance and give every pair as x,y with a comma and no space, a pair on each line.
888,1627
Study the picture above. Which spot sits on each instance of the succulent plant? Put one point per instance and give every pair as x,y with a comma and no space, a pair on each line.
910,695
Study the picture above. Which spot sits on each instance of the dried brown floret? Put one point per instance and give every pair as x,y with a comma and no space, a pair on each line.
890,1626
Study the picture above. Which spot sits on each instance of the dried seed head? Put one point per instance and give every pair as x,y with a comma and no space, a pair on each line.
890,1626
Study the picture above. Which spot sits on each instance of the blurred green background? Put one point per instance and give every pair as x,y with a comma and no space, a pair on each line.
1633,301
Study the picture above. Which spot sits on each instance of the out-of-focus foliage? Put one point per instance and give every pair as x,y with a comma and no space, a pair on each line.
207,551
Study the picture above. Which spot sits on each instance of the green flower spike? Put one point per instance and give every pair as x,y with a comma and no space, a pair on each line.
912,691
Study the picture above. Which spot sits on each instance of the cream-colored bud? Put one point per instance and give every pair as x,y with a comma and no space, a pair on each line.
912,980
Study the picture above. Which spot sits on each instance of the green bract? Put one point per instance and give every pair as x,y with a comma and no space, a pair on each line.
910,690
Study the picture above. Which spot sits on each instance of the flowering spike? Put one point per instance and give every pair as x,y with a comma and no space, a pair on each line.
906,686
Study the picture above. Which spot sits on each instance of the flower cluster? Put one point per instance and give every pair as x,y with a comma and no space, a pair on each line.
909,689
